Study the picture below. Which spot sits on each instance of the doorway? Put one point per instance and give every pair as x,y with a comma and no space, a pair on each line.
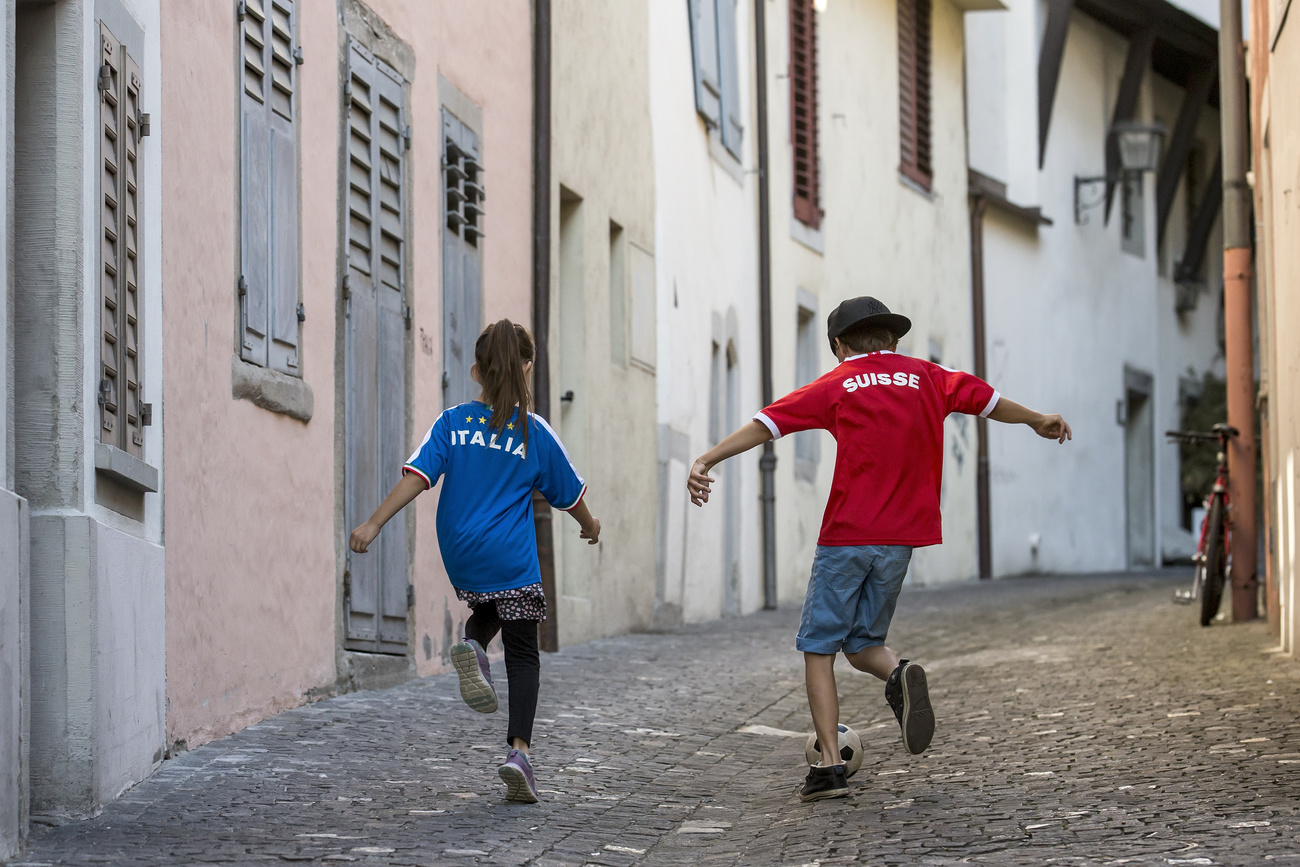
1139,469
731,487
575,562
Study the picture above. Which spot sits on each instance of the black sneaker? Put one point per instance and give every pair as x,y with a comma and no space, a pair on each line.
827,782
909,697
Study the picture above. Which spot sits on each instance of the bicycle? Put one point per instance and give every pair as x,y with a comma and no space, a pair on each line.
1213,558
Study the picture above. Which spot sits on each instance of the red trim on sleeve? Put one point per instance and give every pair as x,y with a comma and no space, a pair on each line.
410,469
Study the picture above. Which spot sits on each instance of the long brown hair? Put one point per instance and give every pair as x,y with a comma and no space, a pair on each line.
501,352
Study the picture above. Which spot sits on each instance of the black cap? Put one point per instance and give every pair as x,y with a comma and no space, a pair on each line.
865,310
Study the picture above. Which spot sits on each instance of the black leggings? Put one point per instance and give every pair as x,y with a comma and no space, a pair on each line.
523,665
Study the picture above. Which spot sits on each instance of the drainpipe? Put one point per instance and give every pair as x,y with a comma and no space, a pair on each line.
550,633
1239,350
767,463
979,204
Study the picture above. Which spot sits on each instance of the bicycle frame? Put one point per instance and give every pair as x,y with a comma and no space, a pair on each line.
1218,496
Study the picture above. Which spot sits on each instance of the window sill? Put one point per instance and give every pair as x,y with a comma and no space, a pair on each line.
916,187
271,390
811,238
126,469
725,158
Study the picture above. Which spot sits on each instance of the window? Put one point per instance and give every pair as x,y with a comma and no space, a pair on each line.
803,113
1133,225
914,91
269,312
807,444
462,259
123,413
716,60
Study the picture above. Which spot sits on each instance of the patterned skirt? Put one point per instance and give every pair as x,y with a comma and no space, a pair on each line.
522,603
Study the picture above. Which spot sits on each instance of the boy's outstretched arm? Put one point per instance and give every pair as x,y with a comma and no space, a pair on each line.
753,434
407,488
1051,427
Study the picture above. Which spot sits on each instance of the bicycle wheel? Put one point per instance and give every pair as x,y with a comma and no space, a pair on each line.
1215,564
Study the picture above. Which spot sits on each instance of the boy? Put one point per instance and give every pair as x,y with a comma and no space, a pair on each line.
886,412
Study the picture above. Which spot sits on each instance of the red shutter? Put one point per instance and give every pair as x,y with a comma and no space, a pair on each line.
914,90
803,112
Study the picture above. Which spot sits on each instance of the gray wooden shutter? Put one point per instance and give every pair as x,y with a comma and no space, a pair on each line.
120,397
269,188
704,55
729,64
464,194
376,333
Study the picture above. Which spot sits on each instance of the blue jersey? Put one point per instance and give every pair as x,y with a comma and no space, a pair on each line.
485,512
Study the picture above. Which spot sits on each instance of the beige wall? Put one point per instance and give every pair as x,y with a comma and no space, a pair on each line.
603,154
252,515
1278,267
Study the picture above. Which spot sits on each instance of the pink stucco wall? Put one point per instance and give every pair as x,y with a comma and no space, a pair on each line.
250,496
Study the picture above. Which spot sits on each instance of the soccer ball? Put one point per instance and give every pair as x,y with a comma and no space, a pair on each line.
850,749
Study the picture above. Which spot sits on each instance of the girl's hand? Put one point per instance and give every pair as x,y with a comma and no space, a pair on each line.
362,537
698,483
591,532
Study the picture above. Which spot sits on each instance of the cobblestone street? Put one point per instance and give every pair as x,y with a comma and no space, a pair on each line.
1081,721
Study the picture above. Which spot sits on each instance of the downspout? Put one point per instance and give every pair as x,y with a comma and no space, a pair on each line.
767,463
550,633
979,204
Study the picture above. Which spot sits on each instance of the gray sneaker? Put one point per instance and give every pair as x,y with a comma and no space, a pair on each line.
909,697
475,676
517,773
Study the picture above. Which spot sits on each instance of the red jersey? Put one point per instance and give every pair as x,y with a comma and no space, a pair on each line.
886,413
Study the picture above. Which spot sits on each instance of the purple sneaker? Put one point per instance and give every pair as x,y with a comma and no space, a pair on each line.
518,775
475,676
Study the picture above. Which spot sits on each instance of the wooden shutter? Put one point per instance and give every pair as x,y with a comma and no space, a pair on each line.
269,188
376,333
914,91
120,397
704,56
464,195
803,113
729,64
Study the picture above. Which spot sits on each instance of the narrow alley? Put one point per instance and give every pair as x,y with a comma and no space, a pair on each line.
1082,720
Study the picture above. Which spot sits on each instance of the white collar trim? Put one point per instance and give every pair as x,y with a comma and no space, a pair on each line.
865,354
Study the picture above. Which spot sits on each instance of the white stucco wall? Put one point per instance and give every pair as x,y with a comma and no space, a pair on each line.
1067,308
14,683
707,291
881,237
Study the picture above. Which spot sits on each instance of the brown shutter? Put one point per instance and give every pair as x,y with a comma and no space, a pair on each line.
803,112
120,398
110,309
914,90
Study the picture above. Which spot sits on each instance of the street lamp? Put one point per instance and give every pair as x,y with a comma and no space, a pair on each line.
1139,151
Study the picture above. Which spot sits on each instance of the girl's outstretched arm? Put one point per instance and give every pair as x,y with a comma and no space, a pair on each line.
753,434
407,488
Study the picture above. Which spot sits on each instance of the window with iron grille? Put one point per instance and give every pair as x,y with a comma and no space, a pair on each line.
914,91
803,113
123,413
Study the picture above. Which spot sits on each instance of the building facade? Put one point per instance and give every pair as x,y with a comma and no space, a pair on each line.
1100,294
1274,40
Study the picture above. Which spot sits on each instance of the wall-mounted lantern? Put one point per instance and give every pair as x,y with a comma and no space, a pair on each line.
1139,152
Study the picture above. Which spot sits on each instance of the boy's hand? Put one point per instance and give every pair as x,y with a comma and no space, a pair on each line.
1053,427
591,532
698,483
362,537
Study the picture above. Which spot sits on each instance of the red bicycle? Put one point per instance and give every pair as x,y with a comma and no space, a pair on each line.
1213,556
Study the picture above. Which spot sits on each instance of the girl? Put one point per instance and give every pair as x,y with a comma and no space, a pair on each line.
493,452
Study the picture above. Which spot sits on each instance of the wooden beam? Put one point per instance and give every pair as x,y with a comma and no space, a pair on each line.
1198,233
1049,67
1126,101
1180,144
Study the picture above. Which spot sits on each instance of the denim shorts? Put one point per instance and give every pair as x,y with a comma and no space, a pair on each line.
851,597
